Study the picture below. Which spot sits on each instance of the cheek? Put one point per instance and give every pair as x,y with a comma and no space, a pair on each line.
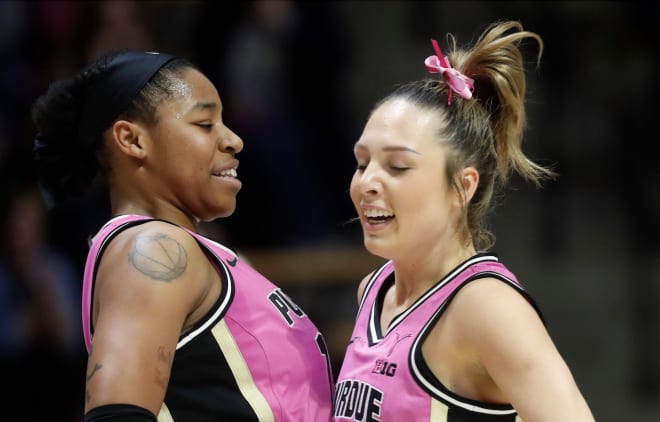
354,190
424,197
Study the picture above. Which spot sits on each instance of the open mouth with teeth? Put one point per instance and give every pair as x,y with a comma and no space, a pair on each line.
227,173
378,216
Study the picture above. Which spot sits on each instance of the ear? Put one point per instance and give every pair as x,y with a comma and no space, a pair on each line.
130,138
468,180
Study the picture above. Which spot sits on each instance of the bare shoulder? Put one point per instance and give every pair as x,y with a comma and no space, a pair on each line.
141,260
497,325
491,297
491,305
161,251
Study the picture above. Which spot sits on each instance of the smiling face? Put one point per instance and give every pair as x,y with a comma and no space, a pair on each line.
191,162
399,189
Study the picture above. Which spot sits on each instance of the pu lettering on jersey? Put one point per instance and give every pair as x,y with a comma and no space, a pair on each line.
357,401
285,306
232,347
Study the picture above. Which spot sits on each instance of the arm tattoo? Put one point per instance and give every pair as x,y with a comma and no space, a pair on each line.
159,257
97,367
165,357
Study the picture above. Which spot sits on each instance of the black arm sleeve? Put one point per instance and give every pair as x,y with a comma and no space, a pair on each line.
119,413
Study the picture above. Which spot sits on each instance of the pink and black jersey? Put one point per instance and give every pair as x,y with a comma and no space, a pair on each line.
255,356
384,376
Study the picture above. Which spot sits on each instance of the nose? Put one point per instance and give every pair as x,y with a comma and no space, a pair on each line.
368,181
230,141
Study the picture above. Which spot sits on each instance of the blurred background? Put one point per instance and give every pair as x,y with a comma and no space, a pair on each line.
298,80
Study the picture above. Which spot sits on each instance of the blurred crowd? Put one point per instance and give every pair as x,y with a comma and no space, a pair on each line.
298,79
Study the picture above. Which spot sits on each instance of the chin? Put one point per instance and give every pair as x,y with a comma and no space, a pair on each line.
218,213
225,213
377,247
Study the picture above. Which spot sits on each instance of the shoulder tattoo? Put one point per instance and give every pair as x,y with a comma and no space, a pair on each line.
159,257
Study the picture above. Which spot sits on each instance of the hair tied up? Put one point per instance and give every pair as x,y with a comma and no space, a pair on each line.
457,82
64,165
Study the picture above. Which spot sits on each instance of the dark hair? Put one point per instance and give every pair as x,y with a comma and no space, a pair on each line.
66,156
484,132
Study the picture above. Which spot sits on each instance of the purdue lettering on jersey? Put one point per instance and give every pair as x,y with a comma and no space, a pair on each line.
357,401
384,374
285,306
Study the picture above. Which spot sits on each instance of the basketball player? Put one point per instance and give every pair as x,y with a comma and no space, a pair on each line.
177,326
445,332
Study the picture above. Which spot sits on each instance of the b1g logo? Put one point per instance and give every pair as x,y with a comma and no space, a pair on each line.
384,367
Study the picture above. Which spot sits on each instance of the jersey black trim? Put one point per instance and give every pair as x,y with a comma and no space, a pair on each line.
427,380
375,333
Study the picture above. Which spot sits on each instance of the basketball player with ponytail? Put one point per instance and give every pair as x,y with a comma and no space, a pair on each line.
445,331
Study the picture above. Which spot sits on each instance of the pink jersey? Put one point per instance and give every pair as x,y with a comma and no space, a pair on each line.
255,356
384,376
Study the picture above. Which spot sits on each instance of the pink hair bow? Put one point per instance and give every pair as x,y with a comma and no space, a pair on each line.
458,82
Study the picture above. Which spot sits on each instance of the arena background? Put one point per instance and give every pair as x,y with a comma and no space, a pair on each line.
298,80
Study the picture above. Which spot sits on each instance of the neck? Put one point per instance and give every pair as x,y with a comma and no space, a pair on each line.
413,278
160,210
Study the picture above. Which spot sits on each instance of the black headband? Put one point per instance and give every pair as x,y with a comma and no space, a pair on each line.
114,89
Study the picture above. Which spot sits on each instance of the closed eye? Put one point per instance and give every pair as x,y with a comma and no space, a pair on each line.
206,126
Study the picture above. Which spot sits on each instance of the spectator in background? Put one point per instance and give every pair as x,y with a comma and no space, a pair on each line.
41,350
80,32
283,57
114,25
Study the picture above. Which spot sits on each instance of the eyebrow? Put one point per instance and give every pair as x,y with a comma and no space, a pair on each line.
391,148
205,105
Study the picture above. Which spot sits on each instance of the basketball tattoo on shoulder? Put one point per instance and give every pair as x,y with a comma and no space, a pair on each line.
159,257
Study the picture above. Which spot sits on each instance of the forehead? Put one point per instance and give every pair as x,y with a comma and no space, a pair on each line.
191,88
401,121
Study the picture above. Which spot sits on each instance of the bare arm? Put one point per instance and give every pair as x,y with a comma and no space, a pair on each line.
508,339
150,279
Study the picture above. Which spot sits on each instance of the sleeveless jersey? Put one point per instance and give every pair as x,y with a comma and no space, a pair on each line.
255,356
384,376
